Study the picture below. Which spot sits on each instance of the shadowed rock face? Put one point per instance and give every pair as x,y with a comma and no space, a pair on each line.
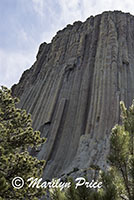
74,88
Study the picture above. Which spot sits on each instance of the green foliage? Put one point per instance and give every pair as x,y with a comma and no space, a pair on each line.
57,194
121,155
112,185
16,136
71,193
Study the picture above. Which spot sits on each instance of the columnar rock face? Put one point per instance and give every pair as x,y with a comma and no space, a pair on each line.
74,88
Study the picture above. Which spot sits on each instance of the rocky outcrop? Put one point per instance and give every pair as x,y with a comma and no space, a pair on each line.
74,88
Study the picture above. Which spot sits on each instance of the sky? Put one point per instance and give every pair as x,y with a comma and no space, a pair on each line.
25,24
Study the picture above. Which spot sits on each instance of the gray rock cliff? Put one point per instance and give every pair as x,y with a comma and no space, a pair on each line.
74,88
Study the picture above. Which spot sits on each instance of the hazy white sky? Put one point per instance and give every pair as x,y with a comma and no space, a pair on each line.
24,24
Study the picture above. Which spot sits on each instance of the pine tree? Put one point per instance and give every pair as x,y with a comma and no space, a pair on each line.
16,136
119,180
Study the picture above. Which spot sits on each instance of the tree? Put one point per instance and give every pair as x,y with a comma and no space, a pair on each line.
121,155
16,136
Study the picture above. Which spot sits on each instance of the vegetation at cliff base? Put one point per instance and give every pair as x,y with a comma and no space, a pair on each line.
16,136
118,180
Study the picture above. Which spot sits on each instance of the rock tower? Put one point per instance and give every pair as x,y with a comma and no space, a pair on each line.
74,88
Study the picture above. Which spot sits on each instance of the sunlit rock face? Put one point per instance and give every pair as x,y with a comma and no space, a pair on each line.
74,88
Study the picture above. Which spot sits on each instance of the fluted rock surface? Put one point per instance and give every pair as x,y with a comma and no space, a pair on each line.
74,88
